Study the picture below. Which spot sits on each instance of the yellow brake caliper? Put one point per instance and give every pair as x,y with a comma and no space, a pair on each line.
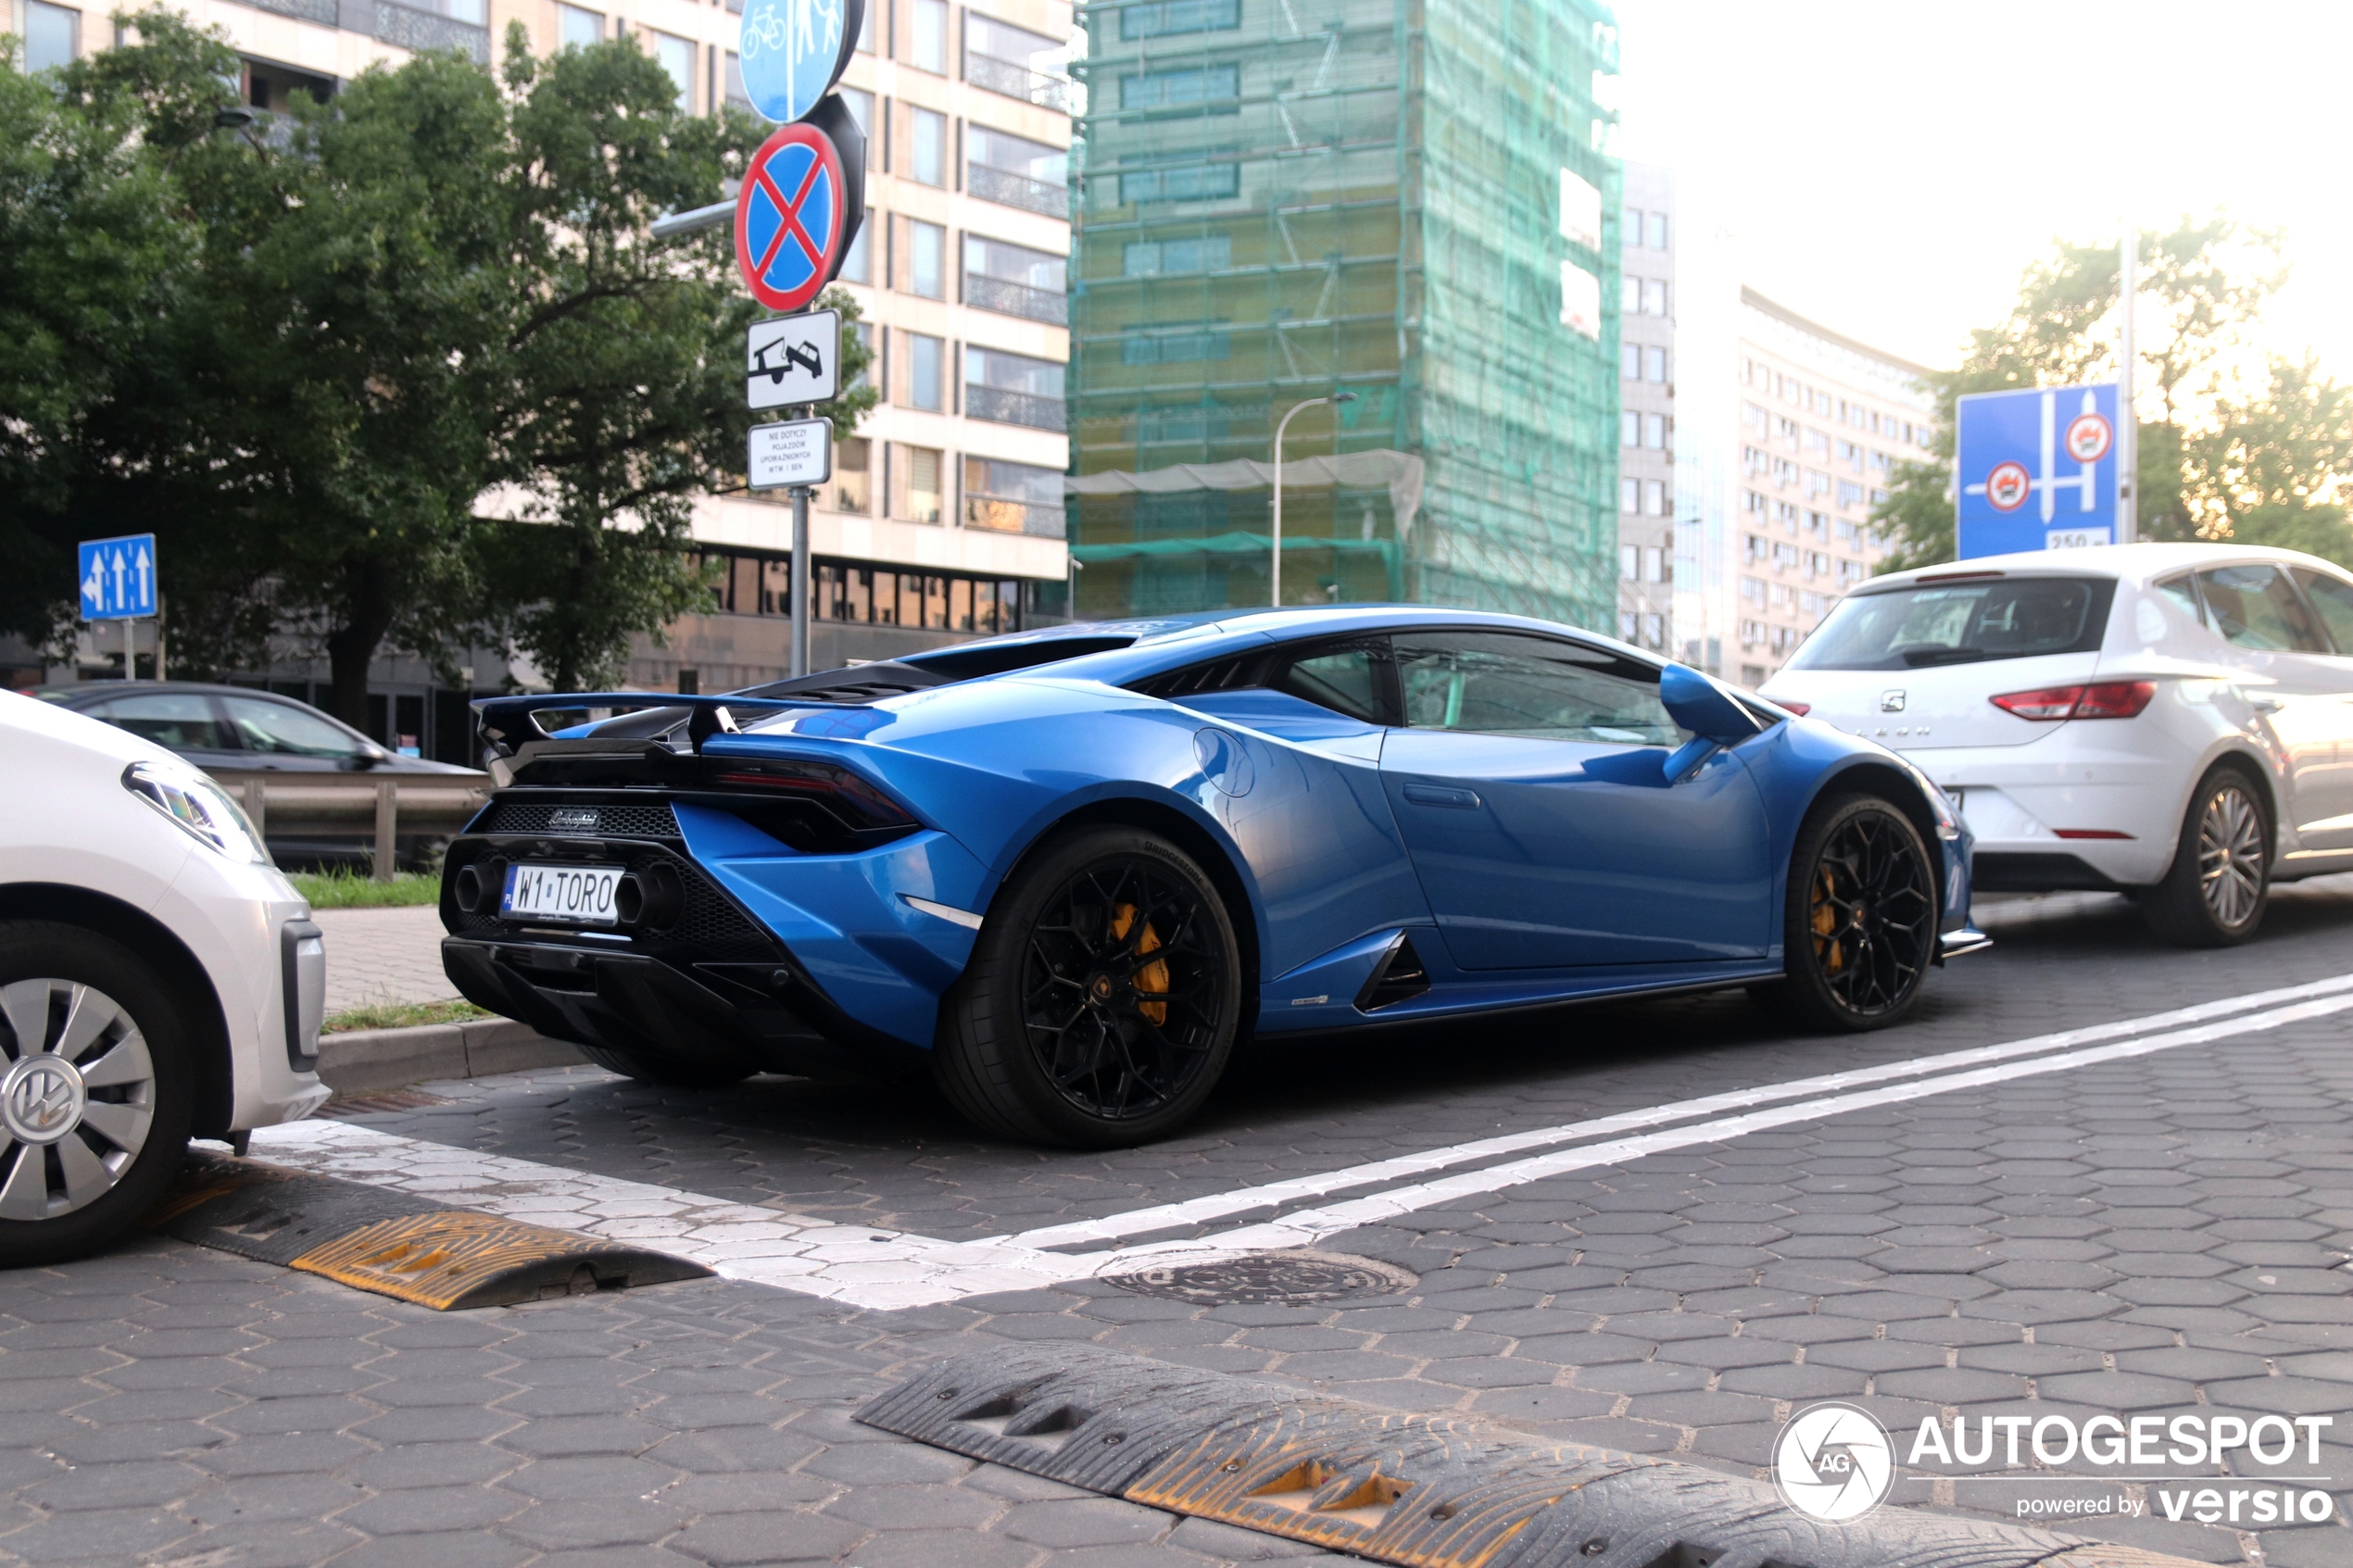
1153,976
1827,946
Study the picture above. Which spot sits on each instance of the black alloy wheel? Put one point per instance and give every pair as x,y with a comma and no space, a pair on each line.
1101,1001
1861,918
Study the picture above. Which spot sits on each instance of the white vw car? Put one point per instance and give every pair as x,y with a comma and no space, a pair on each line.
2174,722
159,979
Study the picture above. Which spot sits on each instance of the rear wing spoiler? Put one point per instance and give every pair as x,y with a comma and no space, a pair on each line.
507,724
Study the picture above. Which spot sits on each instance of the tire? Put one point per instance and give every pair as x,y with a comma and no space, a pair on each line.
2219,883
1860,922
667,1072
80,1161
1054,1036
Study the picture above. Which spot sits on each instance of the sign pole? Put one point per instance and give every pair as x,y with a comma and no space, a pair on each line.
2127,424
801,587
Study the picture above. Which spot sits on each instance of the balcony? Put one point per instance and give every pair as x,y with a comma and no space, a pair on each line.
1015,517
414,29
1017,299
1000,407
326,13
1009,190
1017,81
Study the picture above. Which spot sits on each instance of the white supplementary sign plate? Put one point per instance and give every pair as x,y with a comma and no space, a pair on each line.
797,452
582,894
2075,538
794,359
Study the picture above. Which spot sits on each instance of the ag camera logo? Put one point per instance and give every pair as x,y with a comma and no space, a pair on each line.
1833,1461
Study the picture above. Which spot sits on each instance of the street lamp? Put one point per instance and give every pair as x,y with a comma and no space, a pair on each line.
1276,574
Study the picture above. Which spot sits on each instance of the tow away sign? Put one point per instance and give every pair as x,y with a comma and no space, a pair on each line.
794,359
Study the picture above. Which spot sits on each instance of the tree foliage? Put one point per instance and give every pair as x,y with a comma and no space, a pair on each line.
2212,463
402,370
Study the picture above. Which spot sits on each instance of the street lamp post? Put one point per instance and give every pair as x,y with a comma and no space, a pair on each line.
1276,574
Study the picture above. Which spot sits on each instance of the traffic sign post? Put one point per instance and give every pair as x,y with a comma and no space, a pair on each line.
796,455
120,580
2037,470
794,359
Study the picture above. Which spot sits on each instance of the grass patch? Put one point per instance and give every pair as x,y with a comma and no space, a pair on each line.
358,890
403,1015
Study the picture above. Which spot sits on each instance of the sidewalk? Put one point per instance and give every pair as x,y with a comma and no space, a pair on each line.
376,956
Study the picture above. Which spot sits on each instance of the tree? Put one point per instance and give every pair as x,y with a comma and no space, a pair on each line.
308,351
2201,287
2273,469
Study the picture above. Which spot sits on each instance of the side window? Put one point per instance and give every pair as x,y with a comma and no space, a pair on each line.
2183,595
181,720
2255,606
274,727
1498,684
1346,680
2333,596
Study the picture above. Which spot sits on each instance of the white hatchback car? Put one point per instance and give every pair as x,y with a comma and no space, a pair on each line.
159,979
2174,722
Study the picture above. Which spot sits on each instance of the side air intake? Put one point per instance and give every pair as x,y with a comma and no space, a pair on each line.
1398,977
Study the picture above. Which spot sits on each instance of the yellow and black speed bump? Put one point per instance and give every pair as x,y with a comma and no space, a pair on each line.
394,1244
1416,1490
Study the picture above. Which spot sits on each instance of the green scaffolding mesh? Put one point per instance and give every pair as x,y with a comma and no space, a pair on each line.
1279,199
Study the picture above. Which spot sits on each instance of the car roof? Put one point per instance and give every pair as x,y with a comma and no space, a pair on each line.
79,692
2131,563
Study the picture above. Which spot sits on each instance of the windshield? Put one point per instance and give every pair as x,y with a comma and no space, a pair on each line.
1936,624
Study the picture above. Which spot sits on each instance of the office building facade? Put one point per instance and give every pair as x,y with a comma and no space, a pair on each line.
1647,409
1409,200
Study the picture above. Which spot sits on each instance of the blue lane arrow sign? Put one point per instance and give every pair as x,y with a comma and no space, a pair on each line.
118,577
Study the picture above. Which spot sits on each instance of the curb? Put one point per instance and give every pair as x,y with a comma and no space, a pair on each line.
365,1060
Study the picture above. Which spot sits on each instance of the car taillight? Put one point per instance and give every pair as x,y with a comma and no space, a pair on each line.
1800,709
2102,699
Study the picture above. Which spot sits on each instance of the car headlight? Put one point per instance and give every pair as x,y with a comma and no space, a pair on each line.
199,807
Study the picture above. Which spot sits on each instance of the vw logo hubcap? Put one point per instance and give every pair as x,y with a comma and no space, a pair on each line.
41,1099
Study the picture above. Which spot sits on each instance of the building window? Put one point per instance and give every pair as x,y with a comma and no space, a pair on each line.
1656,226
861,105
736,96
1629,428
1654,364
1628,562
927,146
1195,343
851,488
1654,432
857,262
1849,492
926,358
927,259
866,30
1016,171
1194,180
1654,498
1630,494
677,57
927,36
1813,441
1630,295
1161,259
1653,297
1014,388
1161,19
574,26
1016,280
1013,499
1629,361
1217,88
922,468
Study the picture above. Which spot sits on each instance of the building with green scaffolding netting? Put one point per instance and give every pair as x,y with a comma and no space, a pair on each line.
1411,200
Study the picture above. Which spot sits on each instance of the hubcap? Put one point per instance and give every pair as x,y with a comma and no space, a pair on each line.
1123,987
1871,914
76,1099
2230,856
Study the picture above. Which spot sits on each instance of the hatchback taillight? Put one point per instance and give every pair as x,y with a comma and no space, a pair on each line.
1800,709
2101,699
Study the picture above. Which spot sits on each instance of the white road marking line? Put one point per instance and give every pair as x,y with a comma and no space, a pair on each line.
860,1266
1271,1194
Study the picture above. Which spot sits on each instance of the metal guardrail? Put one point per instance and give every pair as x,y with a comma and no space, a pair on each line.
1016,81
1016,189
335,803
1017,299
995,403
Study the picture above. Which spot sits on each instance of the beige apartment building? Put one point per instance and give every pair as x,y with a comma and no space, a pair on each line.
1647,409
945,517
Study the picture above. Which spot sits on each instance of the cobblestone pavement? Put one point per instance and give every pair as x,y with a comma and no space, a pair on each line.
375,956
2142,1237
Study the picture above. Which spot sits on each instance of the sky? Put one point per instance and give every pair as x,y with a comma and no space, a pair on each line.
1890,168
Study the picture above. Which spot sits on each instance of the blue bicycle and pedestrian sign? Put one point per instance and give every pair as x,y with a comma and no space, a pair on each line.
2036,469
118,577
792,51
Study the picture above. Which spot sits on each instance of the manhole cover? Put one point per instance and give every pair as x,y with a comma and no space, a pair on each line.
1299,1279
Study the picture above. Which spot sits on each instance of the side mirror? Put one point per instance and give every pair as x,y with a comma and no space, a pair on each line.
1703,707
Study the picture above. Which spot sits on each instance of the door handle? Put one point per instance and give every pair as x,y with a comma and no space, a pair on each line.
1431,795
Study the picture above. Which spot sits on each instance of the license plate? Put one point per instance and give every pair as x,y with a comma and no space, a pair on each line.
581,895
